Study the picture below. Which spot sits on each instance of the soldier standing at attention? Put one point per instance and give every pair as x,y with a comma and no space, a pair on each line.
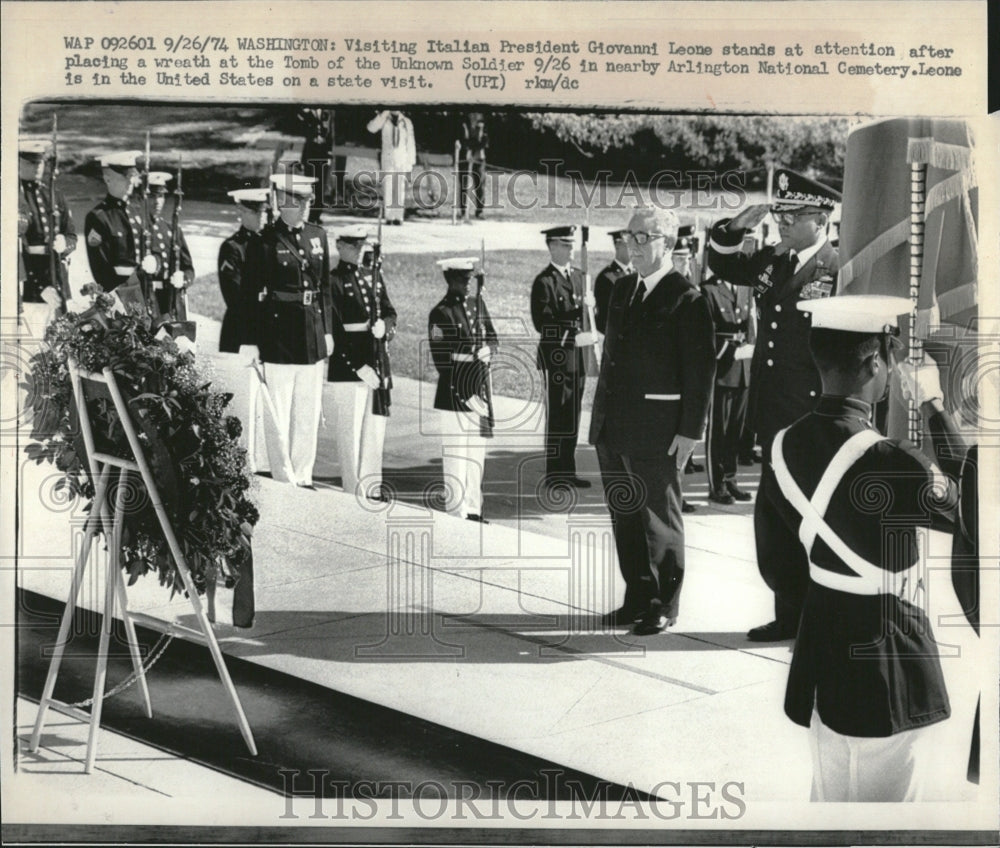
289,319
606,279
451,329
42,293
161,244
359,365
557,303
784,383
251,203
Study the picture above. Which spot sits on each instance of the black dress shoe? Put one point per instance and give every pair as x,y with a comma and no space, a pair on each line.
745,459
693,467
654,621
736,492
775,631
720,496
475,516
579,482
622,617
688,507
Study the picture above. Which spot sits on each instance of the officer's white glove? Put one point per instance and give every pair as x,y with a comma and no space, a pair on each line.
921,382
184,344
744,351
749,217
51,296
477,405
368,376
484,353
378,329
585,339
250,352
589,299
150,264
683,447
59,243
178,280
328,338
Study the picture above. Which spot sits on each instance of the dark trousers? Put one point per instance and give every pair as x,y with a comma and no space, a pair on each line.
563,395
643,495
474,181
725,429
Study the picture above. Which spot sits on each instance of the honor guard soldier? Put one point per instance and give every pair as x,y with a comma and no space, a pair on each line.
557,303
730,307
865,677
47,236
113,229
359,367
161,243
685,253
619,267
251,203
451,328
290,321
784,383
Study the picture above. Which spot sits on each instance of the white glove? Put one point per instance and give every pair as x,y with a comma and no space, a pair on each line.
150,264
585,339
589,299
477,405
178,280
378,329
368,376
51,296
59,243
923,382
744,351
251,352
184,344
328,338
484,353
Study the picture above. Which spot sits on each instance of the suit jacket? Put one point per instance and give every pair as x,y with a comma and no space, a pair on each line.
784,382
232,258
557,313
731,316
658,368
603,285
351,292
286,295
450,328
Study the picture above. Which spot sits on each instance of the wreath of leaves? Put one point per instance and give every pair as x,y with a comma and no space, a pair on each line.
191,444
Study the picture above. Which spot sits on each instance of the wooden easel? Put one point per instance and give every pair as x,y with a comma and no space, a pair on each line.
101,466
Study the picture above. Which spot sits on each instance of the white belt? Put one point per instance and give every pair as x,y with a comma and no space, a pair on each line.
36,249
882,583
463,357
124,270
662,397
358,327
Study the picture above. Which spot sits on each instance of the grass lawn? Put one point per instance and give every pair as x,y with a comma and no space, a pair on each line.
416,285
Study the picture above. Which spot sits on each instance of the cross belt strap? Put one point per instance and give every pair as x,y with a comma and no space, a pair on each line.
869,578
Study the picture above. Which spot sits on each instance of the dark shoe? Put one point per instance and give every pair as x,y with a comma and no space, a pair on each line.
579,482
654,621
775,631
745,459
688,507
736,492
475,516
308,486
721,496
693,467
622,617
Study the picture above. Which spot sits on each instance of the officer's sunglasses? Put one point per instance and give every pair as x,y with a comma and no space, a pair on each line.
641,238
790,218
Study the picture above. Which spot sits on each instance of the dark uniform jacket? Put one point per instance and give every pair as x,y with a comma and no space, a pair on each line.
658,368
784,382
557,313
286,292
160,245
868,662
232,258
351,290
33,209
603,285
731,316
113,230
451,329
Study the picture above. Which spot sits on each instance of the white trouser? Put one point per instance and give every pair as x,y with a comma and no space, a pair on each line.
360,436
463,452
883,768
394,195
297,392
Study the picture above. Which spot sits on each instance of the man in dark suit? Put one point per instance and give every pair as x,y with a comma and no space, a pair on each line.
730,307
472,161
619,267
784,383
650,410
232,259
557,303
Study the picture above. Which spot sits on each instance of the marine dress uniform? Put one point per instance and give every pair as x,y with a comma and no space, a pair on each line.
605,281
452,333
43,227
166,285
231,262
784,383
290,319
865,675
359,368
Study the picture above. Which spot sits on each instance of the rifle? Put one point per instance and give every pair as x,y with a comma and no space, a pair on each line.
146,280
458,181
279,151
484,381
178,303
593,353
56,275
381,400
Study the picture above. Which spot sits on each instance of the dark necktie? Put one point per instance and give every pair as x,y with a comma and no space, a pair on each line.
636,305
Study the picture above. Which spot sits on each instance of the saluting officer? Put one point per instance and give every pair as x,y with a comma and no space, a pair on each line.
558,299
452,332
784,383
289,319
113,229
619,267
865,677
161,244
251,203
359,365
44,228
